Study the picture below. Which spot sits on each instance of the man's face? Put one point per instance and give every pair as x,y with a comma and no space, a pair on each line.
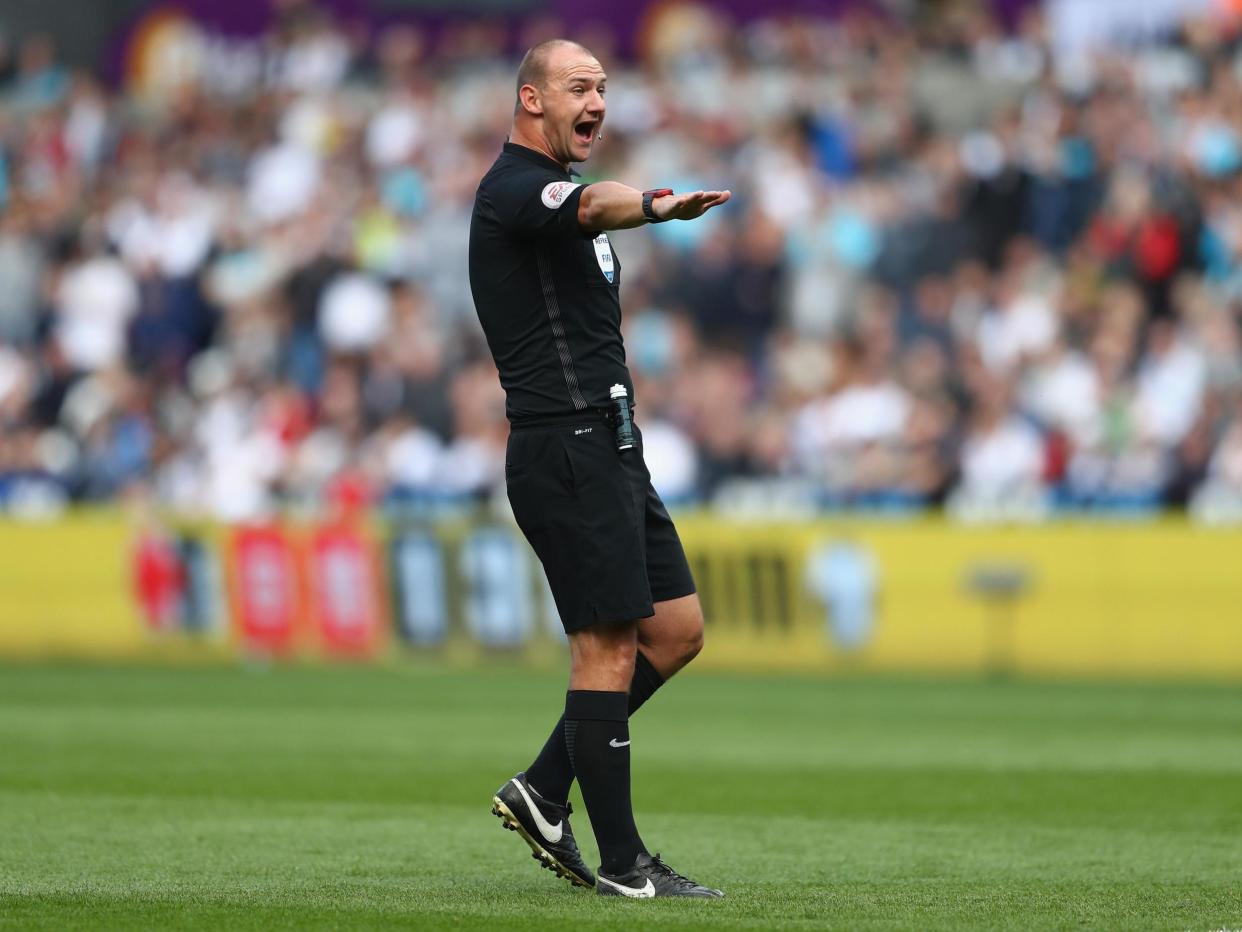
573,104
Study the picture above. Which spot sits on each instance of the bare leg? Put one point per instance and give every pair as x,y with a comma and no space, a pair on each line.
673,636
602,657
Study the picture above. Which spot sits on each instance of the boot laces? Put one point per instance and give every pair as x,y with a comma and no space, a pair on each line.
664,870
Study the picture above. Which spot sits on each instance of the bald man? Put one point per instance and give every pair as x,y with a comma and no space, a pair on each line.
545,279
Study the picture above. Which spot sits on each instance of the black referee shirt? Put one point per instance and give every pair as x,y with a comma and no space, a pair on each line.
546,290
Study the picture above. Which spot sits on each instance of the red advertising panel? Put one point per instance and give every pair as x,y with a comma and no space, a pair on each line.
159,580
265,590
344,591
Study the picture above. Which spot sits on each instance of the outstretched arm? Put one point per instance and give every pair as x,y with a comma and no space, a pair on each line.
610,205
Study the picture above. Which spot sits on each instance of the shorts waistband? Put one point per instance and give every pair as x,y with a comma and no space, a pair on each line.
564,420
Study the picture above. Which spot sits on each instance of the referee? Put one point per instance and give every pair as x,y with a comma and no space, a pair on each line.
545,280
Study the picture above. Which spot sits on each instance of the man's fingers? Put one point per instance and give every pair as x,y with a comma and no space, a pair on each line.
706,196
696,203
709,199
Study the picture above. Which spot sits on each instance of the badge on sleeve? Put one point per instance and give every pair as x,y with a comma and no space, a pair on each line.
555,192
603,255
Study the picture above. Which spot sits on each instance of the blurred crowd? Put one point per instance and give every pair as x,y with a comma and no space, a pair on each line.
955,272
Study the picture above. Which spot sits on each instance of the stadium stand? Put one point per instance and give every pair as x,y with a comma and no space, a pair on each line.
959,271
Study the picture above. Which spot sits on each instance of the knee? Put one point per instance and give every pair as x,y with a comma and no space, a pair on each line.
678,647
616,663
602,659
691,643
674,636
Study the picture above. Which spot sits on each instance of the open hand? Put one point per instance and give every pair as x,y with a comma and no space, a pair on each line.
687,206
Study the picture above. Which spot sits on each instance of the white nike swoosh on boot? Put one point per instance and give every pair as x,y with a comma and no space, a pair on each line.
641,893
614,743
551,833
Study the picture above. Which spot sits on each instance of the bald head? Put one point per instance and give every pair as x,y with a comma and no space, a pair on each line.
560,100
536,62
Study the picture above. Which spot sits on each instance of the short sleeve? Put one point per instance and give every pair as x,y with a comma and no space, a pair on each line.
538,204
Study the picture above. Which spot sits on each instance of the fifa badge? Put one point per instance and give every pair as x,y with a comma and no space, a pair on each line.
603,255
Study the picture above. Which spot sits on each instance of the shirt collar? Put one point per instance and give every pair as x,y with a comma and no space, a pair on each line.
538,158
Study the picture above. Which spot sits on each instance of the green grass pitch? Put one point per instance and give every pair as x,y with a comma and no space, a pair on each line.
343,798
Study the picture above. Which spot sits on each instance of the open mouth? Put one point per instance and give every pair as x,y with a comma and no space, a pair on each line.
584,132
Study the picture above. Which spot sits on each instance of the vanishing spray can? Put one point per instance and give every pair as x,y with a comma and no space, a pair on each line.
623,426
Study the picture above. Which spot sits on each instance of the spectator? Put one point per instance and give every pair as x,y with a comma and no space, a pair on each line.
1003,463
95,299
950,264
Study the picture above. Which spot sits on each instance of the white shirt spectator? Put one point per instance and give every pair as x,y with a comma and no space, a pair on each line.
354,313
238,484
394,133
1169,392
185,242
826,433
1006,458
317,63
412,460
671,458
175,237
282,181
785,186
1063,393
1026,325
861,414
240,461
1002,475
94,303
469,465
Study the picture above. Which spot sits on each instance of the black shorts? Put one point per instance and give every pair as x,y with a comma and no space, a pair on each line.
604,538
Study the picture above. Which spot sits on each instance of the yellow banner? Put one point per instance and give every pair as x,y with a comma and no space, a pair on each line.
1067,598
1158,599
64,588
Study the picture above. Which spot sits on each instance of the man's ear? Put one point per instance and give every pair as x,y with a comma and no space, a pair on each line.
529,97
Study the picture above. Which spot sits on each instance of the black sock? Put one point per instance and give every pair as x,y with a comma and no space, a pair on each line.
552,774
597,734
645,682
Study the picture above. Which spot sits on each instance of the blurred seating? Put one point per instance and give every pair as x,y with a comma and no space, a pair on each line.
955,272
